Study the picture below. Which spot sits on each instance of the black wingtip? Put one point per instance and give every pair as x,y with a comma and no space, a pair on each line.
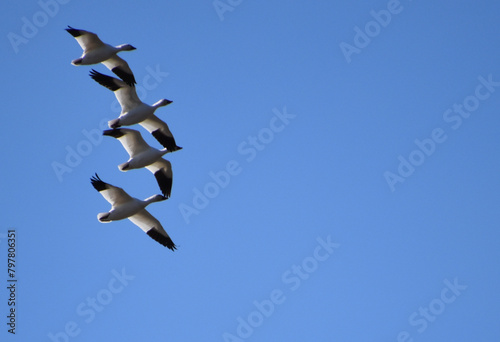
97,183
129,79
163,240
74,32
104,80
167,141
164,182
115,133
173,149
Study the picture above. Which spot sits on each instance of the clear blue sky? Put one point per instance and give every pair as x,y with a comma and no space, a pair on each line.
338,181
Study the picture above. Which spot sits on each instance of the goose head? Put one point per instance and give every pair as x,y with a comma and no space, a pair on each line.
155,198
125,47
162,103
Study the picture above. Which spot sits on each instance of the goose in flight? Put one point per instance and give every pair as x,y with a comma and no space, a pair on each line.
134,111
123,206
143,155
95,51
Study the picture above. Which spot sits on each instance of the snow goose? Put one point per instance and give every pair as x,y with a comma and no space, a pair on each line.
143,155
95,51
134,111
124,206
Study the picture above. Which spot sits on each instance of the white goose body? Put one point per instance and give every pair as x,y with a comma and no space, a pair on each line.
127,209
95,52
134,111
137,114
98,55
142,155
143,159
124,206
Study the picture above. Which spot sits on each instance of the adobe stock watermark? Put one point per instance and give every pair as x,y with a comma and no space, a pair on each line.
292,280
248,148
455,116
30,26
363,37
428,314
88,309
223,6
93,137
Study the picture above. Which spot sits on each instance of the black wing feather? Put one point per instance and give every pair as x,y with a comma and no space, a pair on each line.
125,76
164,182
166,141
98,184
104,80
115,133
162,239
73,31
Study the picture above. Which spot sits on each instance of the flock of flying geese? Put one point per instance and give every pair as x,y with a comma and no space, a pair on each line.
134,111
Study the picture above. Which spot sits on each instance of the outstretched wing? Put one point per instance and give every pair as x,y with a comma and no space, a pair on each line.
114,195
162,169
125,94
144,220
159,129
130,139
87,40
121,68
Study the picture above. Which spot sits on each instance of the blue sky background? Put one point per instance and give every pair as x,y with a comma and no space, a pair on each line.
398,250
